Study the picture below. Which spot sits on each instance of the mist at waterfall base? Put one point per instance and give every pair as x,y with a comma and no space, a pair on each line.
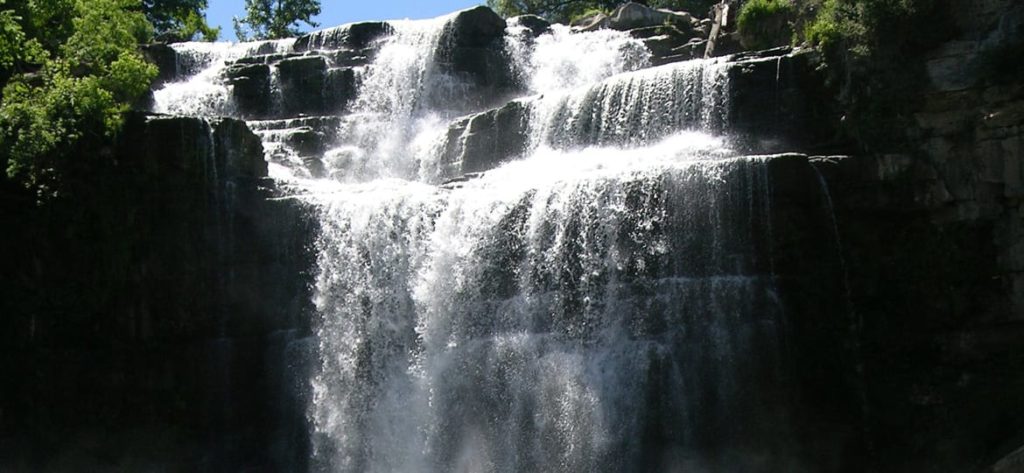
605,302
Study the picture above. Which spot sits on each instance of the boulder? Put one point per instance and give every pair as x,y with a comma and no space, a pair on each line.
474,61
647,32
495,136
185,148
726,44
351,57
476,27
664,41
1012,463
693,49
339,90
265,58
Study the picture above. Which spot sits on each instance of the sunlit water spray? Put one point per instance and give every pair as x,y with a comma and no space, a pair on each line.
547,316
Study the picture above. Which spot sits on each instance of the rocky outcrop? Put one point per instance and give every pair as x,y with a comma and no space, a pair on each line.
472,54
934,305
671,36
484,141
778,101
630,16
901,272
217,151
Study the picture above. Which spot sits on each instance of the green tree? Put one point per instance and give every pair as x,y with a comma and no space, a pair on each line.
179,19
17,50
275,19
66,97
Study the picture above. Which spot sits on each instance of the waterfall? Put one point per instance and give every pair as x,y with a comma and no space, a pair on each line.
202,91
557,314
635,108
602,302
565,60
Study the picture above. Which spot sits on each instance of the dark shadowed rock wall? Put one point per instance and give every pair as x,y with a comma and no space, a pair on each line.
931,239
158,321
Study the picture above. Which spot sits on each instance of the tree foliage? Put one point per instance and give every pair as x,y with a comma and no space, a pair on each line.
275,19
179,19
67,90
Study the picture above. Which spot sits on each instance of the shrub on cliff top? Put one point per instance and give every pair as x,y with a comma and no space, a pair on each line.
870,27
765,23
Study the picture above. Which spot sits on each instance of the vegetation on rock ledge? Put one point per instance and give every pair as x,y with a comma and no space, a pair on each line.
865,44
765,23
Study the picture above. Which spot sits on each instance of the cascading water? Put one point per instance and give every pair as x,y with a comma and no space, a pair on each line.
603,304
563,60
203,92
587,311
634,108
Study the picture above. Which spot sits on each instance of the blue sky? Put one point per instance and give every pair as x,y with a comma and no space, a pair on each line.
338,12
